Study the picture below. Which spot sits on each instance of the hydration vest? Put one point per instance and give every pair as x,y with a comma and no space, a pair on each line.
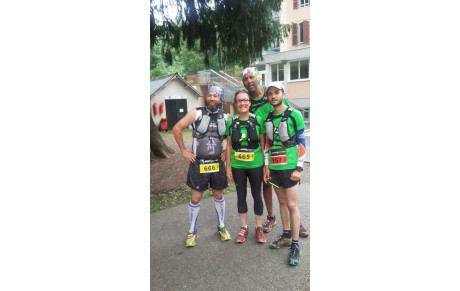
288,141
200,127
252,137
255,104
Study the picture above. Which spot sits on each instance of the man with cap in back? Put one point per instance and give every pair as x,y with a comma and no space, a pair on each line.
261,107
207,167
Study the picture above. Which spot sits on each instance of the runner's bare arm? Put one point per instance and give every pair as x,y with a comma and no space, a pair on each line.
265,147
182,124
223,155
266,174
228,153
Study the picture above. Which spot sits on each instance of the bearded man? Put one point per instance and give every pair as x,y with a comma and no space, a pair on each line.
207,157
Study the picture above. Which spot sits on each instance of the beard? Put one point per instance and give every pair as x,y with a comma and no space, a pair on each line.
278,104
213,107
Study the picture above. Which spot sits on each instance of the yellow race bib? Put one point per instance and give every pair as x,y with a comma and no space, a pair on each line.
209,168
244,156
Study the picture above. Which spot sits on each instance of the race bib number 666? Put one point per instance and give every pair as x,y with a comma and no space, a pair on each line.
209,168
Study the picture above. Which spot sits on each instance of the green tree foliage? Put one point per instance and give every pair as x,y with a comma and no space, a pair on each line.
187,62
233,31
159,68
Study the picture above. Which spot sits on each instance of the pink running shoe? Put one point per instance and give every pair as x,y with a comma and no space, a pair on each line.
241,238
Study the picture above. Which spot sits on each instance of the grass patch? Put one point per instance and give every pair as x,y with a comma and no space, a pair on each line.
163,200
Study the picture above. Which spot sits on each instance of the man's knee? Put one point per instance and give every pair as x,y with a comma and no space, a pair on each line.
217,194
282,200
195,201
292,205
196,197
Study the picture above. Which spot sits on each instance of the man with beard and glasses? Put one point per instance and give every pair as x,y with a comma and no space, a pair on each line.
284,157
261,108
207,157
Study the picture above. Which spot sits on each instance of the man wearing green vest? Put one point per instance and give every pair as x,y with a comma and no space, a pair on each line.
261,108
284,158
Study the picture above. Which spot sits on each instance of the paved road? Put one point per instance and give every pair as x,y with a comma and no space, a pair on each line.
216,265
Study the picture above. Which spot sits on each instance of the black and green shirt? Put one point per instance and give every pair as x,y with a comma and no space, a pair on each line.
243,159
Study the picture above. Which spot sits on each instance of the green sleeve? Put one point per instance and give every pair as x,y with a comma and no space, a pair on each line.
298,119
228,132
263,111
261,124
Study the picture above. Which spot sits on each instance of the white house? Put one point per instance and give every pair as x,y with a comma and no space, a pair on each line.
172,97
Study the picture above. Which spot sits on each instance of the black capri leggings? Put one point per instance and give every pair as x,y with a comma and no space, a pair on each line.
255,176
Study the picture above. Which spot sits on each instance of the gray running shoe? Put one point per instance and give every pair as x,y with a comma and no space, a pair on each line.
294,255
302,231
269,224
280,241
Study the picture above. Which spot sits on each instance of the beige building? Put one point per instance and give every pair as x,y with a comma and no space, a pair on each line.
289,60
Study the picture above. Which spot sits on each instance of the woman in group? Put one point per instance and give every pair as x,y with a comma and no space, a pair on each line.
245,161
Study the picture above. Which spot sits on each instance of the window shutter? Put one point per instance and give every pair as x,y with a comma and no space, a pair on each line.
294,34
306,32
296,4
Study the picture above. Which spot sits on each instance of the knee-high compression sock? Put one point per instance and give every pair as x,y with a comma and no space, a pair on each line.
193,211
220,211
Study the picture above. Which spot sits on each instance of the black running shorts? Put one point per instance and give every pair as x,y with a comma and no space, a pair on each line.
282,178
207,173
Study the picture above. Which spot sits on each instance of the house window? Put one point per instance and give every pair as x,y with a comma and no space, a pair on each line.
304,3
300,69
301,33
261,67
275,45
306,115
277,72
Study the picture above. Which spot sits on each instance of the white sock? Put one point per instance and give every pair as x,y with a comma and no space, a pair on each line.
193,211
220,211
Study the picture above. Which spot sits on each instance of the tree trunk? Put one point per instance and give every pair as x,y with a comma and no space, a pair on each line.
157,145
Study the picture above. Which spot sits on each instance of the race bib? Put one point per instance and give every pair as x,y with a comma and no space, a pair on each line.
244,156
209,166
278,156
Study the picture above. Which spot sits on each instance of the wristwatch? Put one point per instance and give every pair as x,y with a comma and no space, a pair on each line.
300,169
